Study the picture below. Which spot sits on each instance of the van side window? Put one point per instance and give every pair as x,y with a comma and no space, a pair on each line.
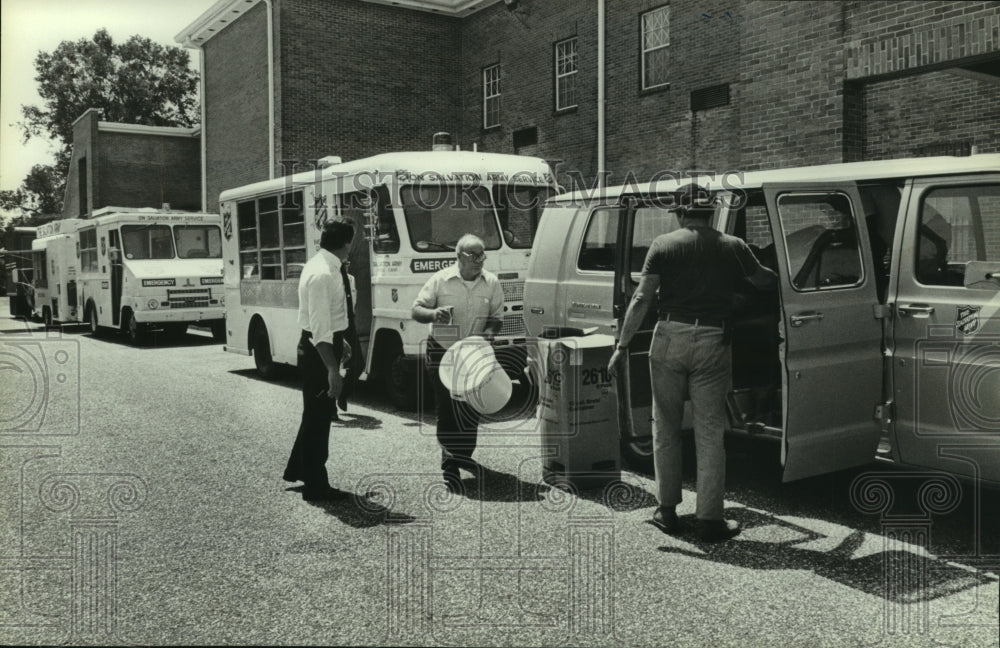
649,223
821,240
597,252
957,227
88,250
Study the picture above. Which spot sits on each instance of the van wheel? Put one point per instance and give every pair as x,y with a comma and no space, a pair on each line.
133,330
638,454
400,380
95,328
47,317
219,330
261,344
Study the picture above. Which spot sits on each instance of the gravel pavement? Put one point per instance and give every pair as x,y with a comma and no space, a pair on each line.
142,503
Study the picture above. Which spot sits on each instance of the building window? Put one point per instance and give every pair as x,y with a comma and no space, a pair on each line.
655,47
491,96
272,237
88,250
566,69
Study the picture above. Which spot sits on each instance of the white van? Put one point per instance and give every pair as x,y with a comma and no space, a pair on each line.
887,308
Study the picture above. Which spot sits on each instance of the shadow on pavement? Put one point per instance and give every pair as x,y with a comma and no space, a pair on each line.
897,575
358,511
488,485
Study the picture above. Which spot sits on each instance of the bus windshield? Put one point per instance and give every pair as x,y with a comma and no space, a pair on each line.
438,215
198,241
147,242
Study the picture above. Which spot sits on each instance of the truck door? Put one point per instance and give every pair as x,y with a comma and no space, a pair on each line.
946,327
115,256
832,335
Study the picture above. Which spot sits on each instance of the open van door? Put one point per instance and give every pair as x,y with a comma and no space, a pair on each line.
643,219
831,324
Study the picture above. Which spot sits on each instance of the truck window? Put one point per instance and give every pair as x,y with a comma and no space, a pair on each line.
198,241
374,208
519,209
597,252
438,215
821,240
147,242
955,229
272,236
88,250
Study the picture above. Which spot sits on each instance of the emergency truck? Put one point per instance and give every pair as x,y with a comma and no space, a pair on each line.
409,210
882,340
131,269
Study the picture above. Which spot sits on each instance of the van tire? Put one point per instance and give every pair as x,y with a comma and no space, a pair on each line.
91,318
134,331
399,379
638,454
260,343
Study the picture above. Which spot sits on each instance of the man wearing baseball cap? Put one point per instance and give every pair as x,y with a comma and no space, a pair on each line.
692,274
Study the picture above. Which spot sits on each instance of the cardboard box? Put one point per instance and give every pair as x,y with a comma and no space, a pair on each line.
578,411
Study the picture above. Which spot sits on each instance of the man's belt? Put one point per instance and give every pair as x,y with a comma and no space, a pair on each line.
306,335
696,321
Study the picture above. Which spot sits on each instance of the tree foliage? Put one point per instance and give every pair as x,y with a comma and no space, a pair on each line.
134,82
38,198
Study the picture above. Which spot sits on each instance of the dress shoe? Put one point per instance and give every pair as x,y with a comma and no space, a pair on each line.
665,519
323,494
717,530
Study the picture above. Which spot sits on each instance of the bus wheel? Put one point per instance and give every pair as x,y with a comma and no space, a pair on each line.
133,331
219,330
400,381
95,328
262,353
47,317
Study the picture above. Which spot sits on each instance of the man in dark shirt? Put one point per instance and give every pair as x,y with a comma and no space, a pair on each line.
694,273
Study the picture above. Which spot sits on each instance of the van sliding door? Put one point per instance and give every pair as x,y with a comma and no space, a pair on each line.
832,338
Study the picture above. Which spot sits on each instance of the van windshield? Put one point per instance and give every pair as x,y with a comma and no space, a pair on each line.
438,215
198,241
519,208
147,242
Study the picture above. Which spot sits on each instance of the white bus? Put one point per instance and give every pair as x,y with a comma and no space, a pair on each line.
132,269
409,209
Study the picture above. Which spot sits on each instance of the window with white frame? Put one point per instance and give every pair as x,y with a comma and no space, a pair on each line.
88,250
566,74
655,47
491,96
272,237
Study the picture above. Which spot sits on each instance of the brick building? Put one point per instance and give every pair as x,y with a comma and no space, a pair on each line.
684,84
129,165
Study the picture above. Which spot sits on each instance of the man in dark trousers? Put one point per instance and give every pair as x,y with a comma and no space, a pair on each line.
324,314
694,274
458,301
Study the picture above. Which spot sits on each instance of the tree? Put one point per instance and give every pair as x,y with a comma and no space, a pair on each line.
135,82
39,197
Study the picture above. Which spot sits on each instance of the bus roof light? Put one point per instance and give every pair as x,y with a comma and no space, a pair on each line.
441,142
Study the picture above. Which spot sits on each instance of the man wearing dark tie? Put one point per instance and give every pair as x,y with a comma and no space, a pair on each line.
324,316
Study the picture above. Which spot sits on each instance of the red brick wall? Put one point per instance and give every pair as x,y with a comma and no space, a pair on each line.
137,170
358,79
84,139
235,128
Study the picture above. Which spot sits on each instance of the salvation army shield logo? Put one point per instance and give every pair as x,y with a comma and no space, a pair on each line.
967,320
227,223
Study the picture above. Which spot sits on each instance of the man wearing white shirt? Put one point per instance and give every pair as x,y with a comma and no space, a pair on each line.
323,318
458,301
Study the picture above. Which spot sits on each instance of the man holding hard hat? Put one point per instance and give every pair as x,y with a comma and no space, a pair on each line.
459,301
